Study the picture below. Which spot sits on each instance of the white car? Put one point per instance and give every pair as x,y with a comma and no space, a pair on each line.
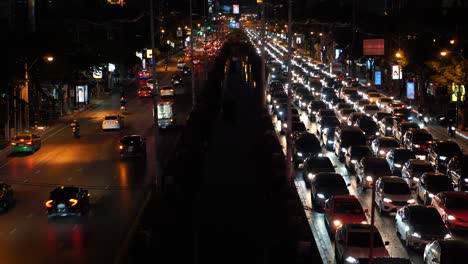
112,122
180,64
392,193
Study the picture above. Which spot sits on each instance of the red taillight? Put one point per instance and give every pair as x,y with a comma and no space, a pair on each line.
13,143
120,147
48,204
29,143
73,202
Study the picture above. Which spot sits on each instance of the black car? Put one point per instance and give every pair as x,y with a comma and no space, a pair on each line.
325,184
399,129
445,251
441,152
457,171
186,70
325,123
386,125
417,140
328,138
314,165
369,170
132,146
397,157
176,79
7,196
67,201
369,127
305,145
354,155
430,184
314,107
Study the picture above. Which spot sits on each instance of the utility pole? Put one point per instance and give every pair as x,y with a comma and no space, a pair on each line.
289,172
159,181
372,219
191,57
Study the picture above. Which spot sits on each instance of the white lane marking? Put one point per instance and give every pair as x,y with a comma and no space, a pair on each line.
26,180
46,137
12,231
6,163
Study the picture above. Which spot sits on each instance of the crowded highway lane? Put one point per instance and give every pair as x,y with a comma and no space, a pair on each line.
118,188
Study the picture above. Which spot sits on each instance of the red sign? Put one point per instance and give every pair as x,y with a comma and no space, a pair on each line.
373,47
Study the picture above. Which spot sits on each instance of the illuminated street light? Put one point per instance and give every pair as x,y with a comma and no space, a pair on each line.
443,53
452,41
398,55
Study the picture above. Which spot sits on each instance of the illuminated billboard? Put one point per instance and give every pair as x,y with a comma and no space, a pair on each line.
373,47
235,9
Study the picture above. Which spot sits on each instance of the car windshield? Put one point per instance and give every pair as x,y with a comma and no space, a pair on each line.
131,139
387,121
331,181
420,168
110,118
360,151
397,188
403,155
385,100
23,137
456,202
362,239
371,107
406,126
381,115
328,112
63,193
146,88
347,111
348,207
422,137
378,167
320,163
402,111
426,217
329,122
448,148
390,143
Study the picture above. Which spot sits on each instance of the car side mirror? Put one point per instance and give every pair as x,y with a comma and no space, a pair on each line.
387,243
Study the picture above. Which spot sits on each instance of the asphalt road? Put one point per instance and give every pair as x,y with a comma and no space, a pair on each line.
118,188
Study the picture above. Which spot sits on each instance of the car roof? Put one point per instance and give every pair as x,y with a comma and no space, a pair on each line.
392,179
453,243
345,197
384,138
355,227
418,161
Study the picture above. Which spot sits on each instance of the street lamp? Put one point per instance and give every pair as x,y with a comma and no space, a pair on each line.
24,94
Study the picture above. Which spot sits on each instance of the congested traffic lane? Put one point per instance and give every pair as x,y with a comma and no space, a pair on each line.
117,188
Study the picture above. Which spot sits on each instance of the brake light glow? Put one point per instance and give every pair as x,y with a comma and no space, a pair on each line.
13,143
29,143
120,147
73,202
48,204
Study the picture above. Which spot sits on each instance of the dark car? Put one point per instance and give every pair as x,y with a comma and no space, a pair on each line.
354,154
132,146
298,128
369,170
397,157
379,115
403,113
328,138
186,70
386,125
7,196
325,184
441,152
305,145
325,123
381,145
399,129
314,165
336,101
430,184
304,101
353,117
176,79
445,251
418,140
68,201
369,127
417,225
457,171
414,169
314,107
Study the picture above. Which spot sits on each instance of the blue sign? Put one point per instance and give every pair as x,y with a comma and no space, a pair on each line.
410,90
232,24
378,78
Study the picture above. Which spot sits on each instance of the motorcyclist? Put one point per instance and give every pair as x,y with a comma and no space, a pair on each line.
165,66
451,128
75,127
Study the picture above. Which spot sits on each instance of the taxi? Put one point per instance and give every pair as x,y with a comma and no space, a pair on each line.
26,142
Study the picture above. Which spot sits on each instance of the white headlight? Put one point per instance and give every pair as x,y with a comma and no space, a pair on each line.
411,201
397,165
320,196
443,157
285,125
381,152
325,130
389,128
377,133
331,142
351,260
299,154
465,180
337,222
447,236
431,195
386,200
369,178
353,161
310,176
343,149
451,217
281,113
416,235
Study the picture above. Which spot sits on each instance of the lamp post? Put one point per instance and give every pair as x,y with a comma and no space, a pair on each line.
24,94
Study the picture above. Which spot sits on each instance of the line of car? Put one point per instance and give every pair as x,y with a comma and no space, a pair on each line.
381,142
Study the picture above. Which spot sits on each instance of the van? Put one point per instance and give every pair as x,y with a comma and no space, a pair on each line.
346,136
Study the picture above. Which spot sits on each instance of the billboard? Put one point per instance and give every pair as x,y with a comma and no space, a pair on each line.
235,9
458,92
397,73
81,93
378,78
373,47
410,90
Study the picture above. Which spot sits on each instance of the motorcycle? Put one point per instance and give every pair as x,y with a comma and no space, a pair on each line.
123,109
75,131
451,131
165,66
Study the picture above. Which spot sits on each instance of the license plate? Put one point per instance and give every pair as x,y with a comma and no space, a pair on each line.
60,206
130,148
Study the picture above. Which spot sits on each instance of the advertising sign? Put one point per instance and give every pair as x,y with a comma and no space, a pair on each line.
81,93
373,47
378,78
458,91
410,90
235,9
397,73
